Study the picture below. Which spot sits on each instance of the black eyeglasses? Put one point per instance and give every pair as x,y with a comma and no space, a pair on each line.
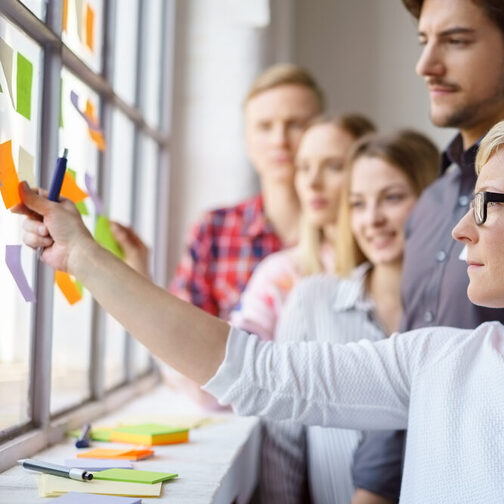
479,204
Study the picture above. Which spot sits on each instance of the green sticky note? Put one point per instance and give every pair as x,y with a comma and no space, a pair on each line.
94,435
133,476
24,86
1,90
81,205
103,235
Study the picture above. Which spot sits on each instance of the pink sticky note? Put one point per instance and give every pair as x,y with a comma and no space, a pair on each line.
13,261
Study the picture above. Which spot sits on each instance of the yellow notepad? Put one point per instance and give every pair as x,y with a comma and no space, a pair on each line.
52,486
150,434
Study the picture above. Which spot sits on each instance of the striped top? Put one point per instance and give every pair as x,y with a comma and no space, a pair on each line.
314,309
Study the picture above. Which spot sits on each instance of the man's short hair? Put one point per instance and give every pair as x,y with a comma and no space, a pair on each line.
284,74
494,10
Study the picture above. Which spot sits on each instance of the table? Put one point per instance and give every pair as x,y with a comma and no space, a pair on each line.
219,465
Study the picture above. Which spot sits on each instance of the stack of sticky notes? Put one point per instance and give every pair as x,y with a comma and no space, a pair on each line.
52,486
147,434
110,453
150,434
133,476
77,498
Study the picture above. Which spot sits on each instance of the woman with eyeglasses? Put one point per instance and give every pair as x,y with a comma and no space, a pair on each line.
445,385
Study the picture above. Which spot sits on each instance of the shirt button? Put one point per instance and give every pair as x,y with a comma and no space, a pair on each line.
463,200
428,316
441,256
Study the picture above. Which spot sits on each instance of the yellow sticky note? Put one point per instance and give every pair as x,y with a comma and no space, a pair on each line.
68,287
53,486
25,166
8,176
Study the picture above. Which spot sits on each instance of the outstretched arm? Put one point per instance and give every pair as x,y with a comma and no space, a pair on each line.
185,337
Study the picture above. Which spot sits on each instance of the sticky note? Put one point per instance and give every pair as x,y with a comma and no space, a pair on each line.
150,434
25,166
13,261
8,176
71,190
90,16
65,15
80,205
134,476
6,53
97,433
67,287
111,453
97,464
52,486
89,181
103,235
79,11
82,498
24,86
95,132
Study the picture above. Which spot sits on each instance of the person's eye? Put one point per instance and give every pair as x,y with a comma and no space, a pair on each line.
335,166
422,41
457,42
356,205
297,125
264,126
395,197
495,203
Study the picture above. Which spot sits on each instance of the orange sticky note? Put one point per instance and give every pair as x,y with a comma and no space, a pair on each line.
110,453
8,176
98,139
90,27
67,286
65,15
71,190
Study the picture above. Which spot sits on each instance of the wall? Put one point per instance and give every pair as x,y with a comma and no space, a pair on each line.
362,51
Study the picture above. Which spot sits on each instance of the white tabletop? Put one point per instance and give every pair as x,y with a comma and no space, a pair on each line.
219,464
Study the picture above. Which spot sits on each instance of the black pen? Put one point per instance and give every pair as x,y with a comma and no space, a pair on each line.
56,470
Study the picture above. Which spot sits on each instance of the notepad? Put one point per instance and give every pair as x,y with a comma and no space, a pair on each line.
134,476
150,434
82,498
98,464
52,486
109,453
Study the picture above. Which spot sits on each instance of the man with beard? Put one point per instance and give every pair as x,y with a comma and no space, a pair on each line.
462,63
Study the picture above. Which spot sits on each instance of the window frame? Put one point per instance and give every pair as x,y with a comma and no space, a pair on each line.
43,429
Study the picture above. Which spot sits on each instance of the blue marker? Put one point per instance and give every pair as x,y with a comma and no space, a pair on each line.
56,183
83,441
58,176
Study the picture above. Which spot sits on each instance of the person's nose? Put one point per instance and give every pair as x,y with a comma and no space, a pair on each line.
465,230
279,134
374,215
430,63
315,177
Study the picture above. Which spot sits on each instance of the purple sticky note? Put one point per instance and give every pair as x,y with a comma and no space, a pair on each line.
13,261
98,464
74,99
88,180
84,498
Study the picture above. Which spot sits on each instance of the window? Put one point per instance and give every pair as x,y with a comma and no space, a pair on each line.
62,86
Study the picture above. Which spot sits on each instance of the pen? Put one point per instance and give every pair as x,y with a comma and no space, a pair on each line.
56,183
56,470
83,440
58,176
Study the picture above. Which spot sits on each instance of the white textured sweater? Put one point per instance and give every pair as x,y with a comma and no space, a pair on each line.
445,385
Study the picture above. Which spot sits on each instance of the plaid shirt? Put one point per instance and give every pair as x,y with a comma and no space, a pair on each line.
223,249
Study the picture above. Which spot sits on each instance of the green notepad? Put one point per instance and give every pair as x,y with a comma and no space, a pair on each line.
133,476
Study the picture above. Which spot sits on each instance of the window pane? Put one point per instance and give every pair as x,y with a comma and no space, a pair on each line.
72,322
83,30
121,186
38,7
125,43
20,88
146,223
151,61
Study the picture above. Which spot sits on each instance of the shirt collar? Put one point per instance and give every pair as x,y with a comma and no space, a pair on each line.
455,154
255,222
351,292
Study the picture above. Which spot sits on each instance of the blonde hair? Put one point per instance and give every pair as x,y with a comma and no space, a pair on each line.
310,236
411,153
491,143
284,74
